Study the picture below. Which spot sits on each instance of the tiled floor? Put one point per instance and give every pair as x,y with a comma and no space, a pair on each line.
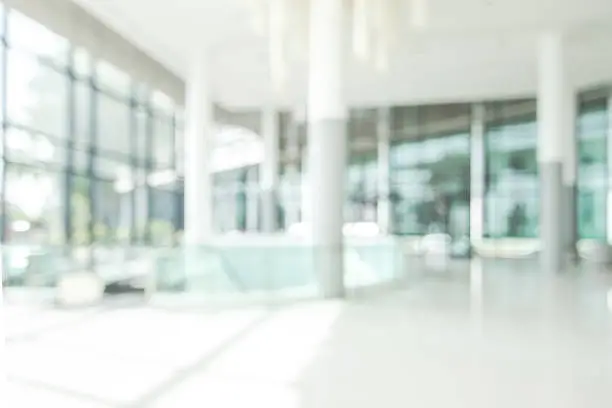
497,334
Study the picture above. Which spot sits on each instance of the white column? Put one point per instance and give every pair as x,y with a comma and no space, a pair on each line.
384,207
327,115
269,169
477,172
552,130
198,147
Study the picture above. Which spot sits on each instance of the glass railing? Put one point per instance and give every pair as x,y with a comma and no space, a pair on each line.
42,266
228,270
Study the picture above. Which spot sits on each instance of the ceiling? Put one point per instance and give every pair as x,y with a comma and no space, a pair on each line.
467,50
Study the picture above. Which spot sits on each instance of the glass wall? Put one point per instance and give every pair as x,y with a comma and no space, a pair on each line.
361,193
236,200
290,192
430,170
89,156
362,189
592,130
290,195
511,177
88,152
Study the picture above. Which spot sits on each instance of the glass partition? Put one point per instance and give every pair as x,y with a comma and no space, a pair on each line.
511,180
592,134
430,170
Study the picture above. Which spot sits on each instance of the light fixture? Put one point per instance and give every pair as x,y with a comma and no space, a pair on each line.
162,178
375,26
21,226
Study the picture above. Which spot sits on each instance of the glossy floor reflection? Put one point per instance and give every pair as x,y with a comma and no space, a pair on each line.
485,334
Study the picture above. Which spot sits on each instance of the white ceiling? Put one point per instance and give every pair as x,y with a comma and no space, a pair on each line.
468,50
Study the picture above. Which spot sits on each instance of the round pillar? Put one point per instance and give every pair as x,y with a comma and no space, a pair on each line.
327,148
553,139
198,146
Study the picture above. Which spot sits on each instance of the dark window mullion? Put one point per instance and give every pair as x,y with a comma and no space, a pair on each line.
149,166
93,142
3,78
133,166
420,117
175,189
494,108
70,143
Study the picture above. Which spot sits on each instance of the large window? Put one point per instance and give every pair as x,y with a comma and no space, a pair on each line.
80,211
290,195
163,142
25,34
512,194
362,172
91,155
107,214
236,200
432,182
36,94
362,190
592,129
35,212
430,170
84,143
113,124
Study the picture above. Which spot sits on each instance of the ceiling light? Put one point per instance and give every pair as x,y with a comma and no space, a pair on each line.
375,28
21,226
